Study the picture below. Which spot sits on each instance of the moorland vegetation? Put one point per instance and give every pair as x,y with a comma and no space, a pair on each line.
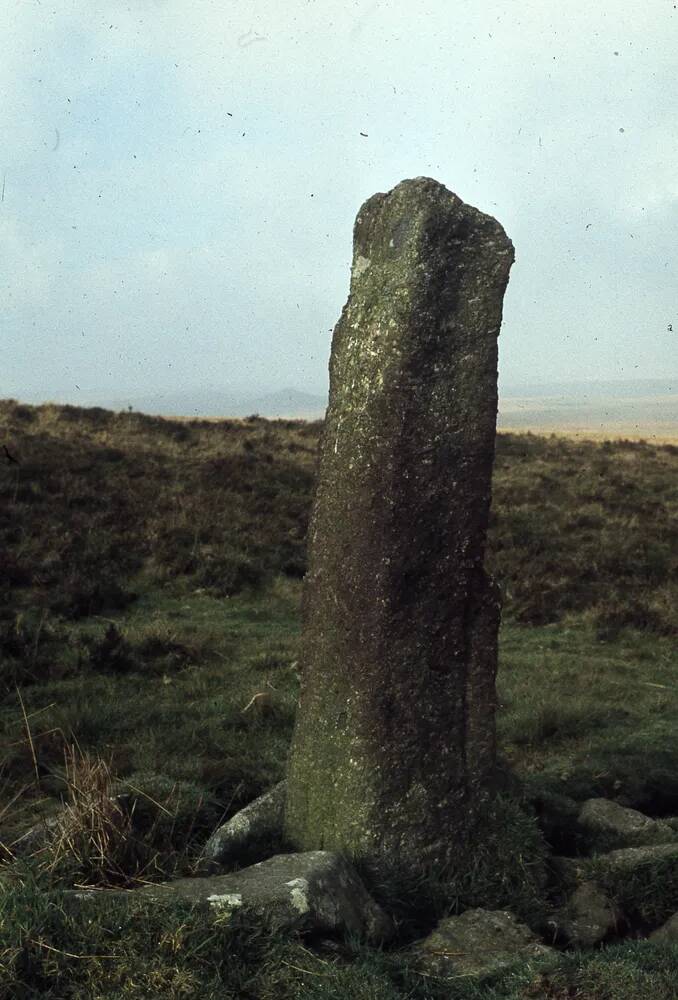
150,579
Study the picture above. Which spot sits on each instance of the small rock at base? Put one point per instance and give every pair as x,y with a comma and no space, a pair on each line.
668,931
607,825
588,917
479,943
258,822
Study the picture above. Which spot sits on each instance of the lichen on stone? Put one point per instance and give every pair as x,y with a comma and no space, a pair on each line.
225,901
400,620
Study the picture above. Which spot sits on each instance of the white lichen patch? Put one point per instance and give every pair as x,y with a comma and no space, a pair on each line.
299,894
239,824
225,900
360,266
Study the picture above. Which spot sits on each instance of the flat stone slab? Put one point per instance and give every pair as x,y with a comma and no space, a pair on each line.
258,822
316,890
479,943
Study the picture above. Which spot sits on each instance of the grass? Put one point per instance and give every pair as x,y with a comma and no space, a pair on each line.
188,726
101,499
183,718
151,573
139,949
583,717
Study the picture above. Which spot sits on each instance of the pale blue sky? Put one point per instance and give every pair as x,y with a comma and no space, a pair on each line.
181,180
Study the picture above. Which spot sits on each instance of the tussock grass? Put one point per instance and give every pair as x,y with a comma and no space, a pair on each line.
188,733
92,830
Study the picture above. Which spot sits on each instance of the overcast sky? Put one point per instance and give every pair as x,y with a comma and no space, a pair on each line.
180,180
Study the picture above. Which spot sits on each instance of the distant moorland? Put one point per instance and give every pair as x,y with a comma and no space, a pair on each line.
631,408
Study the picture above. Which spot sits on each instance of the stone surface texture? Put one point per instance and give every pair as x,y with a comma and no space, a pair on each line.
607,825
668,931
631,859
315,891
624,861
588,917
479,943
395,733
258,822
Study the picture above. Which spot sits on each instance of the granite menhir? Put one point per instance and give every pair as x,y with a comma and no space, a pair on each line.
395,735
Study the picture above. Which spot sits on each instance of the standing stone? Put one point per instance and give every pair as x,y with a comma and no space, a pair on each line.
395,734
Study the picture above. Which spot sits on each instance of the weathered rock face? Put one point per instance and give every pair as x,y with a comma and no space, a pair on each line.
395,728
589,916
317,891
605,825
257,823
479,943
668,931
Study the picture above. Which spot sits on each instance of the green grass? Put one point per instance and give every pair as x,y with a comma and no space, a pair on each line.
136,950
186,725
182,718
151,585
577,716
582,717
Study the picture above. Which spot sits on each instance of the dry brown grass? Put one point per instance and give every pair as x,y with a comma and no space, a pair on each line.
93,830
652,433
106,832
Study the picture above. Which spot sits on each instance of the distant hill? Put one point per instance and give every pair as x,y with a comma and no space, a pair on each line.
639,407
642,406
290,403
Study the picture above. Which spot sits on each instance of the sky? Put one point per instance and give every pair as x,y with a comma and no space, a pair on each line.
180,180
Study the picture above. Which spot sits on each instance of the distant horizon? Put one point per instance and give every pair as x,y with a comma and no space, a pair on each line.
613,407
510,386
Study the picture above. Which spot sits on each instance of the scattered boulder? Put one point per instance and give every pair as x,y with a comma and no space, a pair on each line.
642,881
317,891
625,862
479,943
258,823
628,860
588,917
668,931
566,873
605,826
